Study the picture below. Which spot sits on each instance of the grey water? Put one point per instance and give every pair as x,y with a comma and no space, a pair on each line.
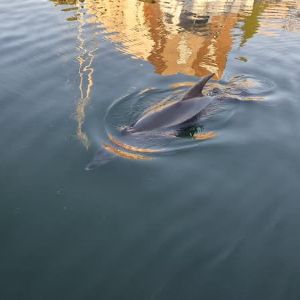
220,220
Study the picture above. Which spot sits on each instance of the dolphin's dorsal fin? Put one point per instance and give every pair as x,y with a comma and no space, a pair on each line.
196,90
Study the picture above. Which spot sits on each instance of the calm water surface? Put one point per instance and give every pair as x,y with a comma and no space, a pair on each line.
215,221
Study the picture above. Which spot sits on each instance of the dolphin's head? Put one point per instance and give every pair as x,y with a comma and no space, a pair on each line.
127,130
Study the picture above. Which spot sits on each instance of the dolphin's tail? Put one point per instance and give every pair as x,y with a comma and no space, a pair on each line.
196,90
101,157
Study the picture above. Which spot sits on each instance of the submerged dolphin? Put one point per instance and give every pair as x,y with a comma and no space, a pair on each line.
177,115
171,119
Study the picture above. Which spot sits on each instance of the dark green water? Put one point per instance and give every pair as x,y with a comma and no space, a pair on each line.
216,221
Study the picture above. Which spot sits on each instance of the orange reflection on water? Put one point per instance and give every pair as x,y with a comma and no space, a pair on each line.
85,60
278,16
85,71
175,37
124,154
131,147
192,37
204,135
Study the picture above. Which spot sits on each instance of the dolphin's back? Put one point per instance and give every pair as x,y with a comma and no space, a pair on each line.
172,115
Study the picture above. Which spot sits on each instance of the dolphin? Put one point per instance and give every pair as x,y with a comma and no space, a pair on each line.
170,119
179,118
176,115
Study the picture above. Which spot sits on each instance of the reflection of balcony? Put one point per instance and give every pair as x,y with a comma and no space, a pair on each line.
191,21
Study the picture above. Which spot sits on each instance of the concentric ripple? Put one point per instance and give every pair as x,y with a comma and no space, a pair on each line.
251,86
144,146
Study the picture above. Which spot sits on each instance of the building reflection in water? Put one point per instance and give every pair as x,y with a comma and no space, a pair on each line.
85,71
87,46
192,37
